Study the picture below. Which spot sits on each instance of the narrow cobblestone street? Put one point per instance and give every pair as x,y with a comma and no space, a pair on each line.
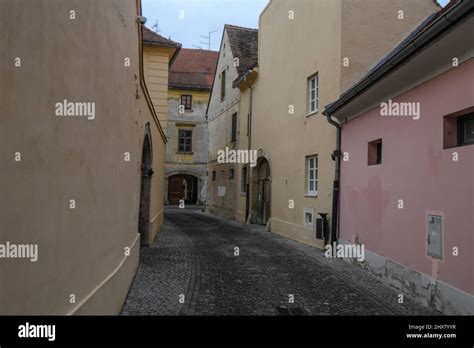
193,256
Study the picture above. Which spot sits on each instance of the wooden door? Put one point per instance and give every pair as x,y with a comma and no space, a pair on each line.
176,187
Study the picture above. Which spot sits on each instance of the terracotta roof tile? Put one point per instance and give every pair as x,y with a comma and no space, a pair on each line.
152,38
244,45
193,69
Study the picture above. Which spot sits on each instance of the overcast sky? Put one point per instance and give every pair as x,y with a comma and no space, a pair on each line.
199,17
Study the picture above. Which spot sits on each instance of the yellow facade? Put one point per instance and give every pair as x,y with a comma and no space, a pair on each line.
87,251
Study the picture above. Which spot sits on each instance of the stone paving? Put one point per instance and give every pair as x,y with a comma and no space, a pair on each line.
193,256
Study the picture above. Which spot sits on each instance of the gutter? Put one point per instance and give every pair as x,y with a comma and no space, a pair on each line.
336,156
142,76
244,77
418,42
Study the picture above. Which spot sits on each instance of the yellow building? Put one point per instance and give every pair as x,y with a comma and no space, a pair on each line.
309,53
79,143
158,54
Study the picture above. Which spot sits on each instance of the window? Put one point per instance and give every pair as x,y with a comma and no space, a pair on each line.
466,130
308,217
222,85
185,140
231,174
458,129
213,175
244,180
313,94
234,128
312,166
187,101
375,152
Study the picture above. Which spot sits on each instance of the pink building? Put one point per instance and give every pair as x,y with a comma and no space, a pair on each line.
407,163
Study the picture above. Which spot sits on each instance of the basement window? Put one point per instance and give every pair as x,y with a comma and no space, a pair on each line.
308,217
375,152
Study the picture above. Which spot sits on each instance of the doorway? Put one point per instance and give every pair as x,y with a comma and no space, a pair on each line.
182,187
263,192
146,172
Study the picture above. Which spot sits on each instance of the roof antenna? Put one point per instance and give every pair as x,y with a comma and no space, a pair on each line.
208,39
156,27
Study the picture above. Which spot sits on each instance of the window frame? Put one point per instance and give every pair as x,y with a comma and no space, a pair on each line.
243,181
375,152
314,77
223,85
190,138
189,98
233,134
315,180
461,124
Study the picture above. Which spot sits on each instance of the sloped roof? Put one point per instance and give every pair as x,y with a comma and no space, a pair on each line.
152,38
244,46
193,69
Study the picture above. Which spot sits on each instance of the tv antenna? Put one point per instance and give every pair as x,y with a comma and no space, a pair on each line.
208,39
156,27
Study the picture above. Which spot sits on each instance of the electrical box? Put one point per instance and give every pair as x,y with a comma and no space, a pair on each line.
435,235
320,228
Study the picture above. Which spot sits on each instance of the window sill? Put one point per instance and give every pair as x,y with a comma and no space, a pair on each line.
184,153
459,145
312,114
312,195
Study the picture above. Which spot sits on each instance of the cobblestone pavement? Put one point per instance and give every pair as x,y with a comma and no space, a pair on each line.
193,256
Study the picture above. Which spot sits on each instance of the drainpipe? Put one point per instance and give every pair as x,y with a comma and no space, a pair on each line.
336,156
249,143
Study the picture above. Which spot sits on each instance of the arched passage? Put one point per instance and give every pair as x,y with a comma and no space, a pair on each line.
145,187
182,186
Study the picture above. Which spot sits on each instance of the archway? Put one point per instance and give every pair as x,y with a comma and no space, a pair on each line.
263,192
145,187
182,186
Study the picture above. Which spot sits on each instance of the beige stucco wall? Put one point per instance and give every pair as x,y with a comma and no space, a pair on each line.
220,125
290,51
370,32
81,250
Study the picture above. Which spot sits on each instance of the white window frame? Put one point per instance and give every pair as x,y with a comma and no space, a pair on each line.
314,78
308,211
313,192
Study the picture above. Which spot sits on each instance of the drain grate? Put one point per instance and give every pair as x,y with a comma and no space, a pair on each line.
281,310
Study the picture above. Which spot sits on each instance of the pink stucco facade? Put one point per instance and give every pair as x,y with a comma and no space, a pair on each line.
416,169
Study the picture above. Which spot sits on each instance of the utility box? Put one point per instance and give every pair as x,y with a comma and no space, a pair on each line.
435,235
321,226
